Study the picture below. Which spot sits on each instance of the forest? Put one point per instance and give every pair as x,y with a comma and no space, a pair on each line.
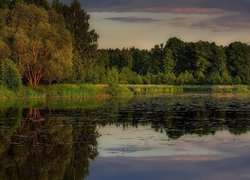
43,43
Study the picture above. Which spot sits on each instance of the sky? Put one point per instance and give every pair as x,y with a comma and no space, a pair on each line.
145,23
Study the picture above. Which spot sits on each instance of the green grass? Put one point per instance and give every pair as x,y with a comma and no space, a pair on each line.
74,91
153,89
6,93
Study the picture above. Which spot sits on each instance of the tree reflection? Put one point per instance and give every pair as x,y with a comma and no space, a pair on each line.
181,116
84,147
44,145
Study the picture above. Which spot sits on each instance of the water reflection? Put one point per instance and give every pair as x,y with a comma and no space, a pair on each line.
58,139
182,115
42,144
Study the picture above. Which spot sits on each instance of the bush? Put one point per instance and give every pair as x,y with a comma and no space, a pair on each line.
214,78
185,78
219,78
113,81
9,75
168,78
147,79
98,75
237,80
127,76
200,78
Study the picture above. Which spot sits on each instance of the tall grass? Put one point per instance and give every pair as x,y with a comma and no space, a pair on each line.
154,89
29,92
6,93
74,91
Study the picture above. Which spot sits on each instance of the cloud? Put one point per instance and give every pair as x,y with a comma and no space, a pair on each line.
178,6
133,19
230,14
225,23
181,22
221,23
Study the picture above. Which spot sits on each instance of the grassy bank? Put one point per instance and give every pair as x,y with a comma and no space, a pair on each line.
74,91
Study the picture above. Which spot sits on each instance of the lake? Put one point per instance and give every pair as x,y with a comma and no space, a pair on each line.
165,137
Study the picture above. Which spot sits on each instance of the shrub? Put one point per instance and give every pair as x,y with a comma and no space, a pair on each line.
9,75
147,78
113,81
185,78
168,78
237,80
219,78
214,78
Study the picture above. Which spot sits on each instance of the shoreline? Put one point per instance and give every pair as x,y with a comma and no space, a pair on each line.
73,91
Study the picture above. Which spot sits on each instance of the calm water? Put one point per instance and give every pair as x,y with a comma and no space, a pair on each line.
169,137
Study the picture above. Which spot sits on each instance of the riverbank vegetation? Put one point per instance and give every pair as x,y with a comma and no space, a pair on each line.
46,43
69,91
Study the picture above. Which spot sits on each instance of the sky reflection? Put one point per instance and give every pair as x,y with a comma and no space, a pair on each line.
142,153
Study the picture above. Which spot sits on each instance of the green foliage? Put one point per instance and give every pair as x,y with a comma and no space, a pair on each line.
214,78
147,79
218,78
113,81
6,93
4,3
168,61
237,80
140,61
75,91
98,75
168,78
40,43
9,75
4,50
84,39
238,61
127,76
185,78
154,89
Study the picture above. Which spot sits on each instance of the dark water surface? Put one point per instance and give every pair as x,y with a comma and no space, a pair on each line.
168,137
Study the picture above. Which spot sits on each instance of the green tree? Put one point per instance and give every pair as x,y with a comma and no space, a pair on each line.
168,61
202,55
169,78
218,72
41,3
147,79
4,50
4,3
84,38
9,75
120,58
3,17
157,57
185,78
237,61
113,81
39,42
140,61
177,47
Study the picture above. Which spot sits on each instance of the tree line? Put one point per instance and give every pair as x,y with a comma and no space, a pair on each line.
179,62
45,43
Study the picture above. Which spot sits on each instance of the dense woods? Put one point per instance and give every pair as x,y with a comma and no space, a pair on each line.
45,43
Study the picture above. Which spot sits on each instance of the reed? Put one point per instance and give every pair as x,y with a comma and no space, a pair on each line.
82,91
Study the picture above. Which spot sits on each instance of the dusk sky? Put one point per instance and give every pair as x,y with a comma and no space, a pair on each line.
145,23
